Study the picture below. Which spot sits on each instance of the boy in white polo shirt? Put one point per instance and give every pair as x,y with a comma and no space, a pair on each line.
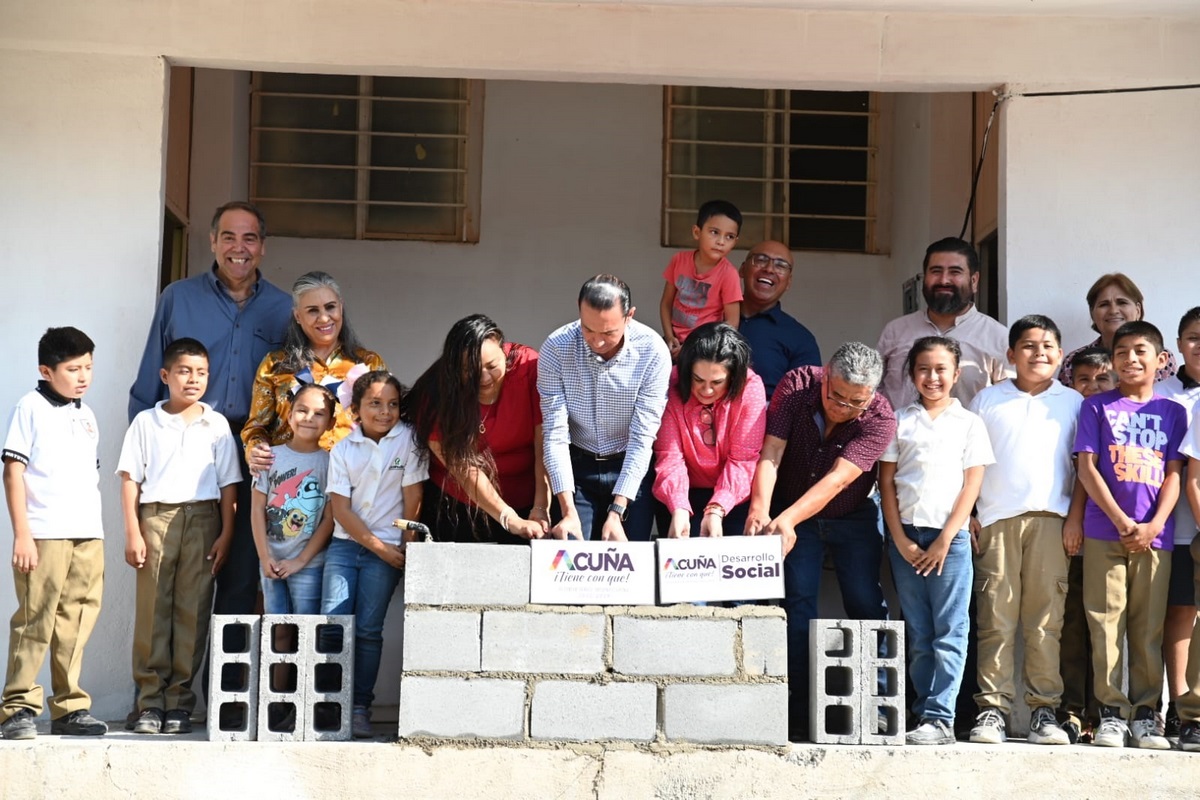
52,483
1021,571
179,472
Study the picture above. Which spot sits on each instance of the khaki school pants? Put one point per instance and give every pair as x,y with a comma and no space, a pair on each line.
1125,596
1020,578
174,602
57,606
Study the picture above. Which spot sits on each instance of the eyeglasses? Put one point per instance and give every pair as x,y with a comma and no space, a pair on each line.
708,431
857,409
776,265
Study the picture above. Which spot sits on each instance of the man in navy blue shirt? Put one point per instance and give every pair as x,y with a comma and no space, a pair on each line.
778,343
239,317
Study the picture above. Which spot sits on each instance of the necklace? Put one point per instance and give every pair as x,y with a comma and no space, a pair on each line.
483,420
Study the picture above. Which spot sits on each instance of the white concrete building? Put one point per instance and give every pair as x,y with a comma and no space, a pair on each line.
1085,177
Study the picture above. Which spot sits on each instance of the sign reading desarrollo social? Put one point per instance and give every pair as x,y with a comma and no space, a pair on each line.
573,572
724,568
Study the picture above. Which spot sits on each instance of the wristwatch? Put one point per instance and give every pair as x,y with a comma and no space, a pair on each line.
619,510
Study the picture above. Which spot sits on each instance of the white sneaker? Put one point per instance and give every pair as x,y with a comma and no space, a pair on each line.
1044,728
1113,732
1146,732
989,727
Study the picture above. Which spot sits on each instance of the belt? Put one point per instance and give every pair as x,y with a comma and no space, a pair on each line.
588,454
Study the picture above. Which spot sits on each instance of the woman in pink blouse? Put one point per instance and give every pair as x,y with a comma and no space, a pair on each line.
711,435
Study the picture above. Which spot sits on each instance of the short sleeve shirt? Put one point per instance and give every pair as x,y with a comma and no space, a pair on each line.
795,415
175,461
700,298
1133,443
57,441
931,454
295,490
373,475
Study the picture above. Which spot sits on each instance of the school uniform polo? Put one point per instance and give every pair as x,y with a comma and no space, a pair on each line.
56,439
372,474
176,461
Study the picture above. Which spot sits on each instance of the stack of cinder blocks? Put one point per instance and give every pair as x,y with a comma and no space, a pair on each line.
856,681
481,662
281,678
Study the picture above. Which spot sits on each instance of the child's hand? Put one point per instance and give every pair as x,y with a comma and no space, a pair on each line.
288,567
672,344
393,555
1072,537
933,557
1140,538
268,569
220,551
909,550
25,554
135,550
974,527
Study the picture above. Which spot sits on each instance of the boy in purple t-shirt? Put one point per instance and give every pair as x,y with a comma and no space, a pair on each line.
1127,446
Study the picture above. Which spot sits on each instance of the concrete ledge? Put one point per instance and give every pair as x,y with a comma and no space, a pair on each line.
119,766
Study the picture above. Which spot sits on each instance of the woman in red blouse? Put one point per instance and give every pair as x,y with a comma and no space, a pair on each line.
711,435
477,411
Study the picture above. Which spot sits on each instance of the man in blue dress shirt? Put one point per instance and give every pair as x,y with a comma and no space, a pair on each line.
778,343
603,383
239,317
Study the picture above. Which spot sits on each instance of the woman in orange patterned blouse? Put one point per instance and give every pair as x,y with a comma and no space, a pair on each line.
320,347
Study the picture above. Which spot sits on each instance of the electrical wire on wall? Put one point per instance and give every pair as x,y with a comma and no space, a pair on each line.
1001,97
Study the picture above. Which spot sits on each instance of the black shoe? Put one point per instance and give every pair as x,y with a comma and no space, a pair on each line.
131,718
177,721
19,726
1172,726
1189,737
1072,729
150,721
78,723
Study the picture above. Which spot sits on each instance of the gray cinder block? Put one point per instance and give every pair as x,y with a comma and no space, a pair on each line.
726,713
552,642
882,682
447,573
579,711
329,678
835,681
233,679
441,640
457,708
764,646
674,646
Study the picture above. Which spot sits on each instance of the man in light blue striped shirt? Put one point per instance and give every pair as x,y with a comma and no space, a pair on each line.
603,383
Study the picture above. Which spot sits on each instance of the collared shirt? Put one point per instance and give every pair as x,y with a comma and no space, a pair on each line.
57,440
237,339
795,415
931,454
176,461
984,362
373,476
1066,375
1031,436
684,461
605,407
271,401
1181,388
778,344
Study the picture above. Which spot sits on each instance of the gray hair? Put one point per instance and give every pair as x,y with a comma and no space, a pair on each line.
603,291
298,353
857,364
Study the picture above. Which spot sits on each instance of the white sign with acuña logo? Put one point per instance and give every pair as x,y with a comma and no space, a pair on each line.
574,572
722,568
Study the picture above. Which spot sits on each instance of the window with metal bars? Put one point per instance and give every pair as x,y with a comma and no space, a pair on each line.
800,165
361,157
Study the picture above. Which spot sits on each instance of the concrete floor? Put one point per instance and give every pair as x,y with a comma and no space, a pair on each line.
123,765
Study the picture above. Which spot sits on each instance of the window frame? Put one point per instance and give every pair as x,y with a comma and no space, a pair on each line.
776,221
471,151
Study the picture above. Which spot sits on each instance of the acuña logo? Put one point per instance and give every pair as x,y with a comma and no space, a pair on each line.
699,562
607,561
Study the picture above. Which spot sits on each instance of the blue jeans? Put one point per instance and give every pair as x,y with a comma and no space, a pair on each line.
935,621
299,593
358,582
856,546
595,480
